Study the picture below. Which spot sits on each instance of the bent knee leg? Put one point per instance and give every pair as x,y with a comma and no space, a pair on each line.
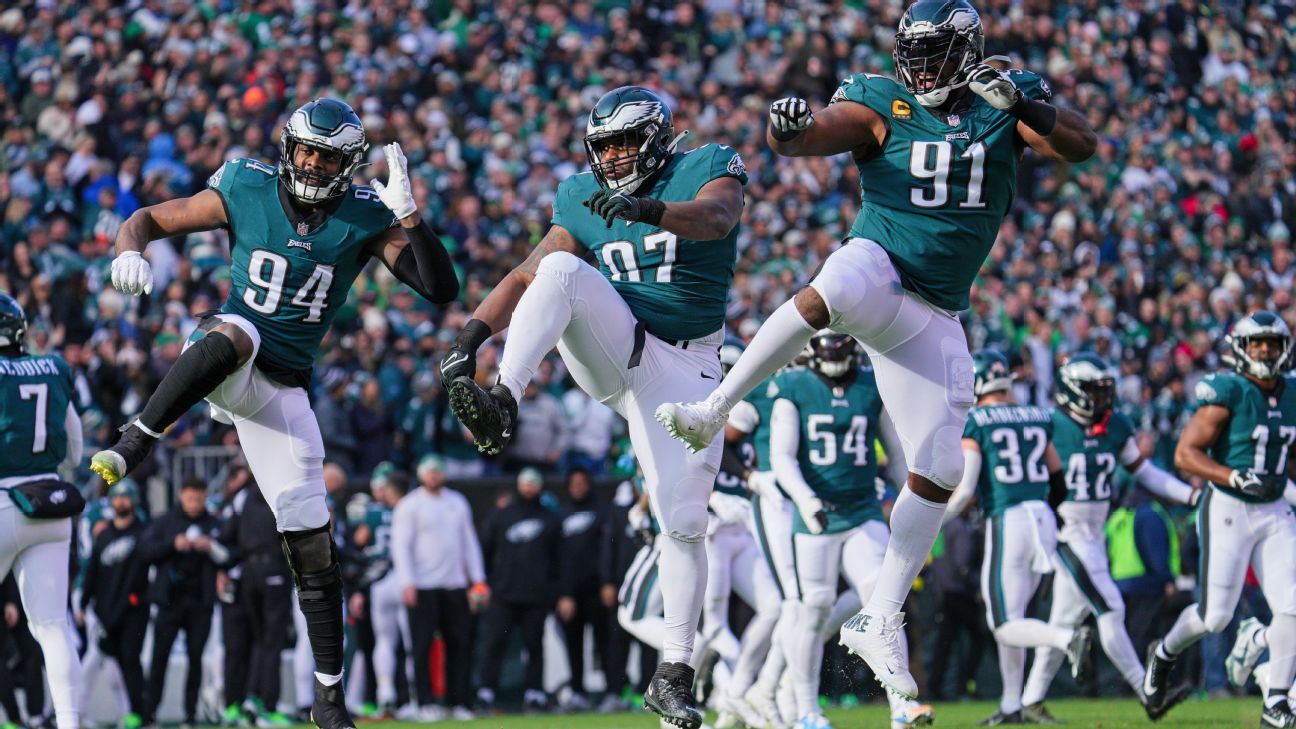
561,265
1216,619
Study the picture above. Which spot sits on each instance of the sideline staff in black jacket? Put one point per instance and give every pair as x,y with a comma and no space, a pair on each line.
580,604
520,546
185,546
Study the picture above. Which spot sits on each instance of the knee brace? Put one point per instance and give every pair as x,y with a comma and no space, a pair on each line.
312,557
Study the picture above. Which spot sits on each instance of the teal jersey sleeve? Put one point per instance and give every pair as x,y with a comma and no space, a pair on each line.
876,92
1217,388
1031,84
568,210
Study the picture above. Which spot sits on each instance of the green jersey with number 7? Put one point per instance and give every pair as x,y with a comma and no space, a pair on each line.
291,279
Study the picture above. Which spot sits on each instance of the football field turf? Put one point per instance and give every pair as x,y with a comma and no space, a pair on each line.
1094,714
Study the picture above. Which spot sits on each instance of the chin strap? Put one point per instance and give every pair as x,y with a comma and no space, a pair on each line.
670,148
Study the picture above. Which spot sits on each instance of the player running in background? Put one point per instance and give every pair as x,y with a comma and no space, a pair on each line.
300,234
1011,468
937,154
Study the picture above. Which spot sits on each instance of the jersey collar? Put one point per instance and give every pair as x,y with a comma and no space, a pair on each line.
306,223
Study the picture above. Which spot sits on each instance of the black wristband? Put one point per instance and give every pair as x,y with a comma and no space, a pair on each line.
1040,117
785,136
651,211
474,335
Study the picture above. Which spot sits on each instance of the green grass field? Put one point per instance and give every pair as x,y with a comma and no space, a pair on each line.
1098,714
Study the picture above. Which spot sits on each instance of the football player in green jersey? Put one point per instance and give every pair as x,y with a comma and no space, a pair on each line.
641,329
1239,441
40,432
1091,438
380,585
1014,471
299,236
937,154
825,421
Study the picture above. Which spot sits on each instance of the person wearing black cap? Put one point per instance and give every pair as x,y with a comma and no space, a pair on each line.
116,587
184,545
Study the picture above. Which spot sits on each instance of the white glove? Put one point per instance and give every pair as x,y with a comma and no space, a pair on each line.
131,274
790,117
764,485
729,509
396,194
814,514
992,85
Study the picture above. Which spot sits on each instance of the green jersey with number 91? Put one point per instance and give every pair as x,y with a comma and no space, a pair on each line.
934,195
289,279
676,287
1090,456
35,391
839,424
1013,441
1260,430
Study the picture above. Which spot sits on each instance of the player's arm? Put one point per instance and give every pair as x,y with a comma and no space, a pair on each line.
131,274
1203,429
1057,478
785,441
496,311
965,492
75,438
795,131
1054,132
1154,479
710,215
413,251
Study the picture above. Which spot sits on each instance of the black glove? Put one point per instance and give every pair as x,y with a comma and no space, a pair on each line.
461,360
613,204
1252,484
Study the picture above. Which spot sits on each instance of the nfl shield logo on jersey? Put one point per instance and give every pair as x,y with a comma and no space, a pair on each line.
953,119
302,228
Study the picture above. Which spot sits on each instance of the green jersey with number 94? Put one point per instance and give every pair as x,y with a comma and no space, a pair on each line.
677,288
289,279
1013,441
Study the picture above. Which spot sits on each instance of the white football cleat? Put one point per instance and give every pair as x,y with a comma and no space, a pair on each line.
695,423
876,639
912,714
813,721
1246,651
766,708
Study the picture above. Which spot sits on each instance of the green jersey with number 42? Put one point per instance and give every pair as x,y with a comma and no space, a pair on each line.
35,391
1013,441
676,287
839,424
1090,457
290,279
934,195
1260,430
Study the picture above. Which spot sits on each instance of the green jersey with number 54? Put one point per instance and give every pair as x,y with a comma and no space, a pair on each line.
676,287
1260,430
839,424
35,391
934,195
1013,441
289,275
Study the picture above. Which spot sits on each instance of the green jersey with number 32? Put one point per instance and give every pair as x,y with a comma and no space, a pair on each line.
289,280
1013,441
839,424
676,287
35,391
1260,430
934,195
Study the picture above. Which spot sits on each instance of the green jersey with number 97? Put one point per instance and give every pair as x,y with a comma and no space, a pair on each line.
1013,441
934,195
677,288
290,278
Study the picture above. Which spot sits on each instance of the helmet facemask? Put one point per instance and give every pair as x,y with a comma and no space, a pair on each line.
931,59
833,355
344,145
1259,366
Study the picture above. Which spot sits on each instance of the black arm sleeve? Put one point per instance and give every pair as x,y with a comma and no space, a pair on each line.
1057,489
731,460
424,265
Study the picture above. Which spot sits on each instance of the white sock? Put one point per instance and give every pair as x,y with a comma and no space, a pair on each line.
1188,629
62,666
776,662
778,341
1047,662
1012,667
848,603
1282,652
328,680
649,630
805,662
1119,648
539,320
1033,633
683,570
755,646
915,521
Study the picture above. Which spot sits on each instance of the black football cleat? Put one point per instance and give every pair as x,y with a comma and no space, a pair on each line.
1278,716
999,718
670,694
1156,683
489,414
124,456
329,710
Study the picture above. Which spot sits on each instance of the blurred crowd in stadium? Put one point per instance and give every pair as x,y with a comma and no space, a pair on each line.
1145,254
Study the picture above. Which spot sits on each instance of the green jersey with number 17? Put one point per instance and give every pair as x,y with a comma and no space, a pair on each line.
677,288
934,195
289,277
